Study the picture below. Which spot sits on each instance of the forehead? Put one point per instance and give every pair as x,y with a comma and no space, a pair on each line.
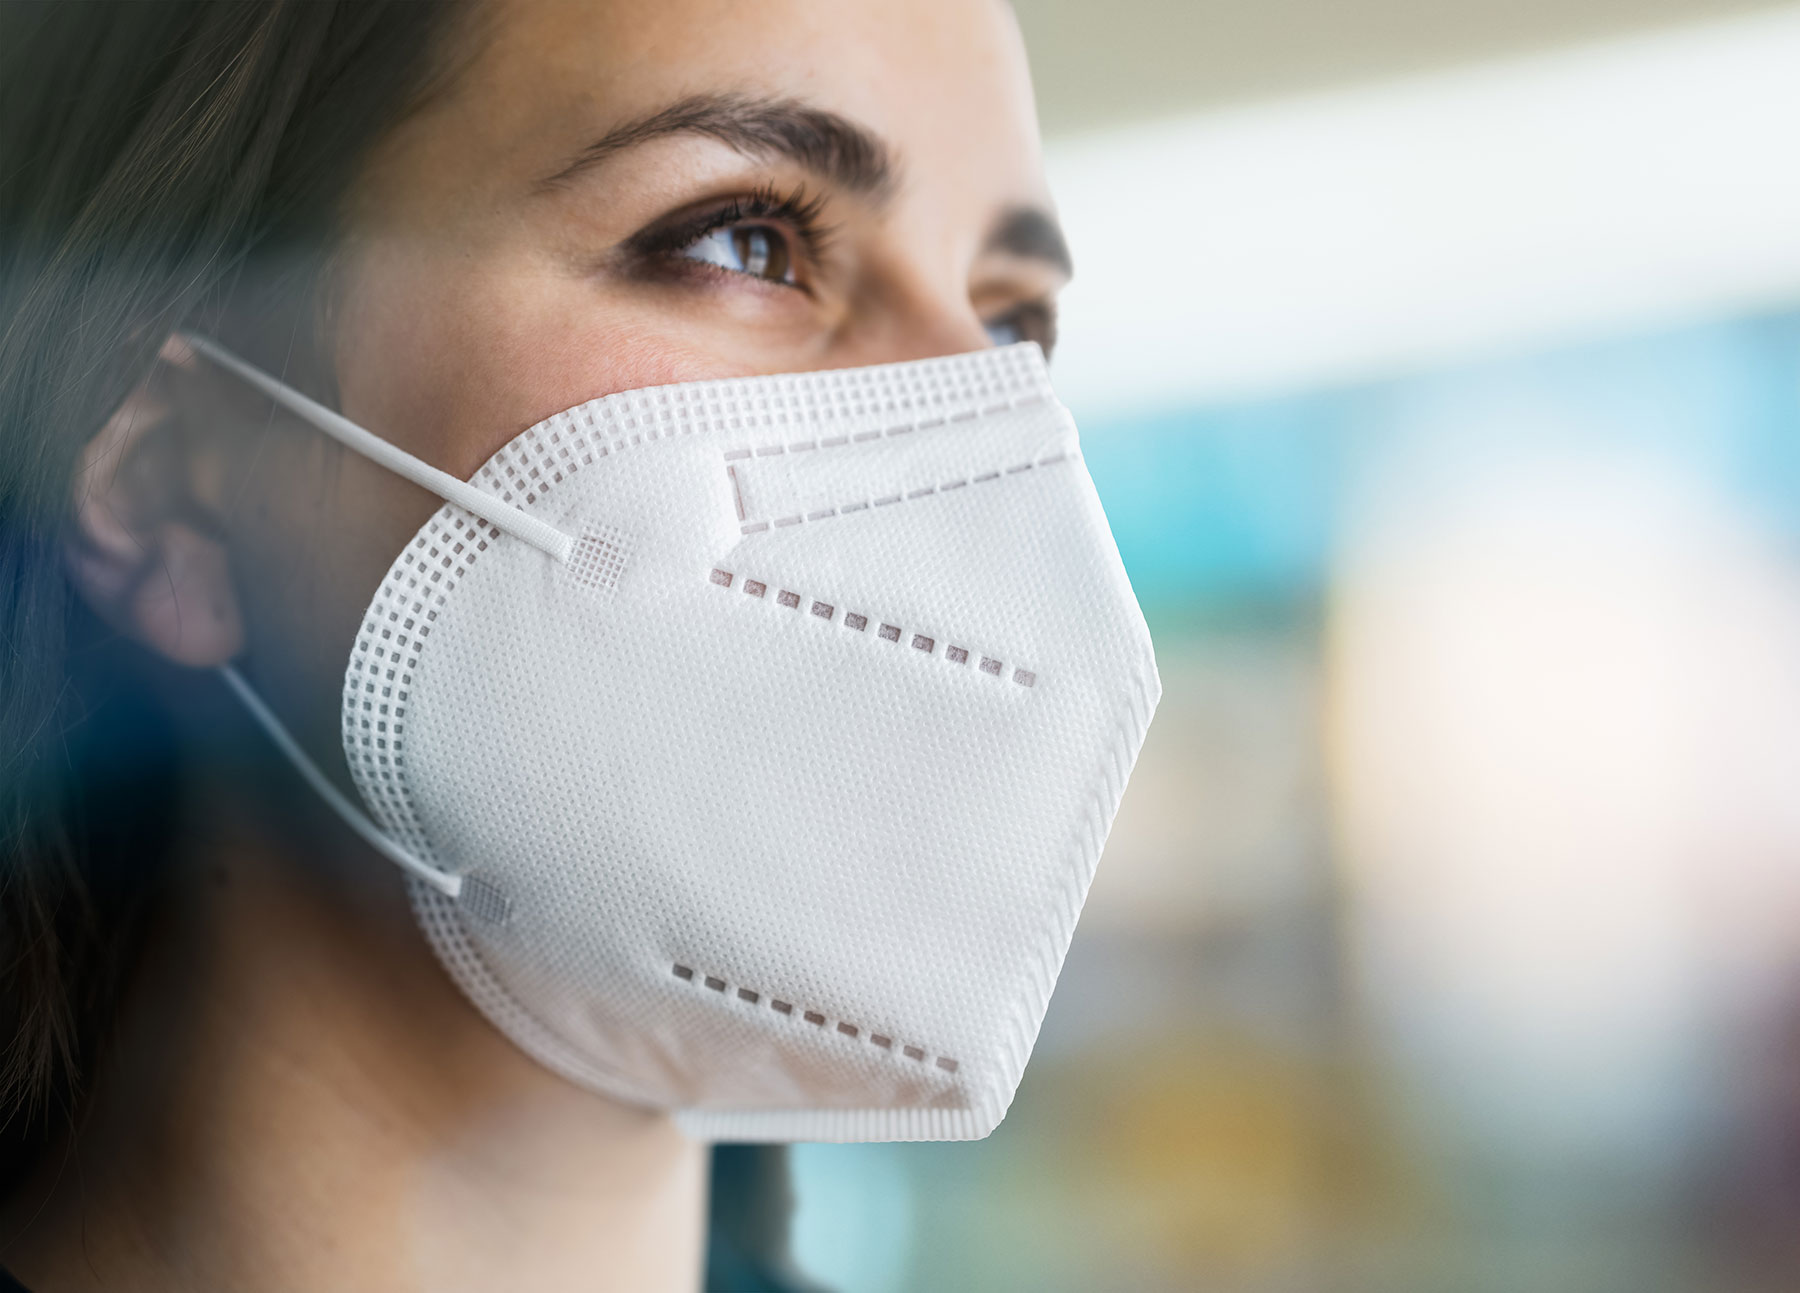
943,82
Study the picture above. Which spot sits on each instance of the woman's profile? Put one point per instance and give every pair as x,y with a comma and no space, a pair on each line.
646,400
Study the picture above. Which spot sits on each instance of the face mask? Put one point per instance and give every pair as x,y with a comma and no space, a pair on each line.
751,743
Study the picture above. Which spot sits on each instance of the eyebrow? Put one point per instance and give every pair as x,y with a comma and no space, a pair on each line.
831,146
1033,233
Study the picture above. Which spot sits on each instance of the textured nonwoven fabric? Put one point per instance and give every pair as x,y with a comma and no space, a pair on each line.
776,803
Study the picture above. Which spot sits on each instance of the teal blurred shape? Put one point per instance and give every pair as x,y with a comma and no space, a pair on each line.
1223,505
852,1226
1239,506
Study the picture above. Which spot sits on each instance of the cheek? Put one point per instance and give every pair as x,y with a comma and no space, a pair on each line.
450,366
313,529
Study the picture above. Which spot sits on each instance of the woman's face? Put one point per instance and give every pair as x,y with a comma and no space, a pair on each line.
632,192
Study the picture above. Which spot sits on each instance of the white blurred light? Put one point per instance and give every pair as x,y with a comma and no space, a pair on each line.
1402,225
1567,736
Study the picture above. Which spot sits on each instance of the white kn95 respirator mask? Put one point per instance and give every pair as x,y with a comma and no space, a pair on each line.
750,744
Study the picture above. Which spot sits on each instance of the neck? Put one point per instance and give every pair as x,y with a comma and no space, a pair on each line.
299,1099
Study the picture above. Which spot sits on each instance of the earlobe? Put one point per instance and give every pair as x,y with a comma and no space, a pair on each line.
143,549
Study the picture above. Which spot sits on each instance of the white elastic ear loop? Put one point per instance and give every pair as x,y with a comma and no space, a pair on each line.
353,816
546,538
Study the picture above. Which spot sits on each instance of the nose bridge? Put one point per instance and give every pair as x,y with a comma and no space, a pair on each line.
915,319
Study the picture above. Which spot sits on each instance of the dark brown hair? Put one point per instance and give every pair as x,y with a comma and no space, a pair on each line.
154,155
163,162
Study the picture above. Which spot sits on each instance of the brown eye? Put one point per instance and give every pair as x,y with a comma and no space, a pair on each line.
759,251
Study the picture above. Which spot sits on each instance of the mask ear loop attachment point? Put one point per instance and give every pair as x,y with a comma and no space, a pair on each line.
353,817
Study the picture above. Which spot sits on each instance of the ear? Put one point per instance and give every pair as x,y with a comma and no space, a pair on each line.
145,550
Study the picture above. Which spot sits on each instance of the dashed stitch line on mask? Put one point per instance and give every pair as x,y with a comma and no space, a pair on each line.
886,500
857,622
855,1032
903,428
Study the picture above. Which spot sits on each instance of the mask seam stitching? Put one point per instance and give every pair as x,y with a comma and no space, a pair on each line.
954,654
888,500
899,429
817,1018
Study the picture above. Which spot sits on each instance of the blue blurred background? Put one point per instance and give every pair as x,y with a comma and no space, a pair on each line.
1449,935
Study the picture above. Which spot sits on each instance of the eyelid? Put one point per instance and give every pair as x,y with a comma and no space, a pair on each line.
793,212
1036,319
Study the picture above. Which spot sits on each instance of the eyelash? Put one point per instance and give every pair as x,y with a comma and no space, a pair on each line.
794,214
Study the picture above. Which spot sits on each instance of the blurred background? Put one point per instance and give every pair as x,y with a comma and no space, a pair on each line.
1439,366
